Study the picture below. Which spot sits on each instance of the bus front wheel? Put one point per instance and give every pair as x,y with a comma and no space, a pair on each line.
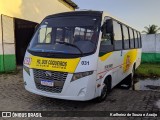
105,90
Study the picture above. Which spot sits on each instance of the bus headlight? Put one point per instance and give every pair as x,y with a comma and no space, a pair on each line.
77,76
26,69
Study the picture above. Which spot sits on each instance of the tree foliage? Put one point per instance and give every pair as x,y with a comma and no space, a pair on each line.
152,29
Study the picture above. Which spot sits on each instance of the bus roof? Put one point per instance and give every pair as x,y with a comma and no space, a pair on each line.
76,13
89,12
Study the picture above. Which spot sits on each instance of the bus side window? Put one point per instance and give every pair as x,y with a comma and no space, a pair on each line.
107,36
117,36
140,40
131,38
125,37
136,39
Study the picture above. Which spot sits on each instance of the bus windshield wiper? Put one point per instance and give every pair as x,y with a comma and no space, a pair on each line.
72,45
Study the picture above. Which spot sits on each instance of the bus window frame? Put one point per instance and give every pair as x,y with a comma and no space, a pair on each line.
112,37
140,40
123,37
134,31
129,38
129,28
133,38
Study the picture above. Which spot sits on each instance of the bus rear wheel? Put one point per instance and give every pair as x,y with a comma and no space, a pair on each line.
130,80
132,83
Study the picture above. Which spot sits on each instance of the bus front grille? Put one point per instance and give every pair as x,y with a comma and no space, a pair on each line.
57,77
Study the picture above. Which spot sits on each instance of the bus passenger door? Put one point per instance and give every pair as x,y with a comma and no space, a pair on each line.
118,48
106,54
121,74
125,70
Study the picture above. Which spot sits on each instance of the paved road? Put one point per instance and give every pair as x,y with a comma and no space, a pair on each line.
15,98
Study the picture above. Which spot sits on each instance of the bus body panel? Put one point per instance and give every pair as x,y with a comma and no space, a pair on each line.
118,66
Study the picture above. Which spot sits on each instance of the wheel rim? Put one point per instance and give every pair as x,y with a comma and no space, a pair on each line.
104,92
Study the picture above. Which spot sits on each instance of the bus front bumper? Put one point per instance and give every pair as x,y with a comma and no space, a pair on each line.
48,94
79,90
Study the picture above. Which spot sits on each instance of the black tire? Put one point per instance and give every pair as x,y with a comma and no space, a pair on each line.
132,85
129,81
105,91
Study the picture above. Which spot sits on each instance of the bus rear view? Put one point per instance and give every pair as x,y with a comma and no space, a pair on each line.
73,56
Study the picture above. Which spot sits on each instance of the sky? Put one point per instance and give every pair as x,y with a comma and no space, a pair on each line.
136,13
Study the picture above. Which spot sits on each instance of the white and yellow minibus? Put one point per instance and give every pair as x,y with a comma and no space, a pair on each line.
80,56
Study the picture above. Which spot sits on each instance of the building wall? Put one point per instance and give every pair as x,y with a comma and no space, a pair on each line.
151,48
9,59
31,10
1,52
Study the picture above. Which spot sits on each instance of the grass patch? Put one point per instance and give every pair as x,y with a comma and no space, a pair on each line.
148,70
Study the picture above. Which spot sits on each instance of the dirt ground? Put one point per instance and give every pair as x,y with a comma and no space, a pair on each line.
15,98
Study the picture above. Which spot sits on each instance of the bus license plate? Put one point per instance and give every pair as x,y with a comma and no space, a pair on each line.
47,83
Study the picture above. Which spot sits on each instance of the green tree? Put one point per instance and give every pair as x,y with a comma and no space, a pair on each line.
152,29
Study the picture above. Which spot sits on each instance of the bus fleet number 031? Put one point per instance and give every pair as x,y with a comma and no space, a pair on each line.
85,62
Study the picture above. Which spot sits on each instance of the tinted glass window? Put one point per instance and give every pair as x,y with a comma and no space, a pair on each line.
140,42
125,37
107,29
131,38
136,39
117,35
107,36
45,35
67,35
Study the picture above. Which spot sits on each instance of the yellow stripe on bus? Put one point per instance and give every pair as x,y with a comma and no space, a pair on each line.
106,56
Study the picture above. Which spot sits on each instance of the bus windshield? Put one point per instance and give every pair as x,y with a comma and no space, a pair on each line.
67,35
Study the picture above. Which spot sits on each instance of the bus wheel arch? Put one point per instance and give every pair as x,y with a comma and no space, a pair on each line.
134,67
132,85
107,85
129,80
133,70
108,82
